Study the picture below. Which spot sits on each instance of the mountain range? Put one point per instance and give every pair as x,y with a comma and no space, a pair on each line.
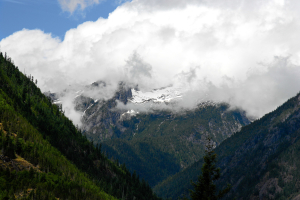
156,142
136,140
165,147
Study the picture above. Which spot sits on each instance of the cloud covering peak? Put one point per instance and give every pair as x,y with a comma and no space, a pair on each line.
246,52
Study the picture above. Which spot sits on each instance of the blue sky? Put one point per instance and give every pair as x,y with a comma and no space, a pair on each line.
47,15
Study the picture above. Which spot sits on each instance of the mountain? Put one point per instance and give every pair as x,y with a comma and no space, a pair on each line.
260,161
160,144
44,156
155,142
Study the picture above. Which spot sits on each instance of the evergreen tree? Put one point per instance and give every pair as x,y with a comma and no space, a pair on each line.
204,188
9,147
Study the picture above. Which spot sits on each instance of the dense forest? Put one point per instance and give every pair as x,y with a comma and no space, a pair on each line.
44,156
162,143
260,162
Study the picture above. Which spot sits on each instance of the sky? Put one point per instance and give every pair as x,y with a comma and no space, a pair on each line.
50,16
243,52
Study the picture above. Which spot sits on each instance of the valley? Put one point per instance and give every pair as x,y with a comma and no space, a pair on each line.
149,100
156,143
126,149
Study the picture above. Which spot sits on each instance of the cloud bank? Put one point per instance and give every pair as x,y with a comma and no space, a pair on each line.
246,53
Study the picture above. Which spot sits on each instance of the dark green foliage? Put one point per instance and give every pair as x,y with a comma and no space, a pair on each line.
43,185
152,164
162,143
40,126
259,161
57,176
8,146
205,188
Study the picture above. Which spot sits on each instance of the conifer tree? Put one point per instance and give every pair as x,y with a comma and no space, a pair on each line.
9,147
205,188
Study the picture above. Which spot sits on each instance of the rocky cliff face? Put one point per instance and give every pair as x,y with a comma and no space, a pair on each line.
101,119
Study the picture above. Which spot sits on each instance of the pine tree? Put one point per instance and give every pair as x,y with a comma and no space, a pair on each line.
9,147
204,188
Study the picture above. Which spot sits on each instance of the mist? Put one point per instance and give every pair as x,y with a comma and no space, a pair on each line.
245,53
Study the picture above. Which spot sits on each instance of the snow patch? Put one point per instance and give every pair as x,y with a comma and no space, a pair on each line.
161,95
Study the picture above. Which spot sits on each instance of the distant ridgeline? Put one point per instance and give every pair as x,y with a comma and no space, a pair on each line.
158,143
260,162
44,156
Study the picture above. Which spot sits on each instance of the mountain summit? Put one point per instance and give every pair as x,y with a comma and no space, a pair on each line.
142,129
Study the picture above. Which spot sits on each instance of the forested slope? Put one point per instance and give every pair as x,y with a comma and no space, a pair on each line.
31,168
260,162
38,131
162,143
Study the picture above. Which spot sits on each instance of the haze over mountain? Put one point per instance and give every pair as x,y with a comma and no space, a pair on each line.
153,138
245,53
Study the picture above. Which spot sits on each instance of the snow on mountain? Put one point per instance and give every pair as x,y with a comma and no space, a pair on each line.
161,95
76,101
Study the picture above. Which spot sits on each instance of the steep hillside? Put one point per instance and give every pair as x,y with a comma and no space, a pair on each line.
65,164
260,161
31,168
160,144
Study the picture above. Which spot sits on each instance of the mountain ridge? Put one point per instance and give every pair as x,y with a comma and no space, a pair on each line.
37,130
157,143
252,159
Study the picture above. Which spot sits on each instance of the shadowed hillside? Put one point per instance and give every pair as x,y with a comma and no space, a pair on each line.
260,161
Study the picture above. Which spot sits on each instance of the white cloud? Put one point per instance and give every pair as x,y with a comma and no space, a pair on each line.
72,5
243,52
